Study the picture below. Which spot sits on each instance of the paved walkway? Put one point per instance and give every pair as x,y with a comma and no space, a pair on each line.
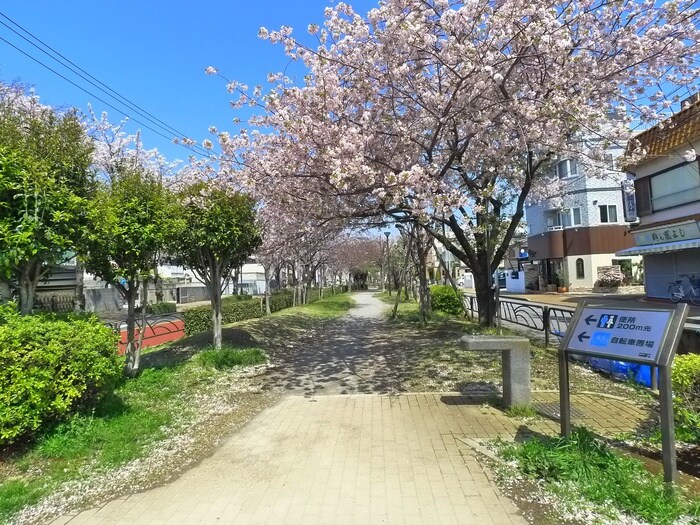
347,457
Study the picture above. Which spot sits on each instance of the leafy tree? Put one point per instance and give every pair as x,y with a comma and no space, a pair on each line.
44,183
216,233
130,220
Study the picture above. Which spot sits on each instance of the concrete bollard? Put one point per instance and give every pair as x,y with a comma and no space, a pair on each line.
515,361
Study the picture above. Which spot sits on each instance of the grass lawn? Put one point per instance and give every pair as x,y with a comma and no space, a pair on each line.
167,417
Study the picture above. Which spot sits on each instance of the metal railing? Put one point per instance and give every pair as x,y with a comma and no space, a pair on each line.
550,320
156,326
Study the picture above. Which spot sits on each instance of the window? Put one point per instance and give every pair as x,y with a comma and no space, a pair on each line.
675,186
565,218
577,216
608,213
553,219
642,194
567,168
580,274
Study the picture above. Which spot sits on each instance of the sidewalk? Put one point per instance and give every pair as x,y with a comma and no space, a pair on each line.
354,460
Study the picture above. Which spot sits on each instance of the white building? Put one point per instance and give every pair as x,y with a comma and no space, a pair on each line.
574,235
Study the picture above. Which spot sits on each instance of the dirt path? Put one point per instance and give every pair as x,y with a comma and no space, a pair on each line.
359,353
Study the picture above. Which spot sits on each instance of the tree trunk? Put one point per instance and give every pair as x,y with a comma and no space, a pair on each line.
424,297
215,294
27,289
235,282
27,286
216,317
136,354
158,283
484,299
404,272
267,289
131,366
79,298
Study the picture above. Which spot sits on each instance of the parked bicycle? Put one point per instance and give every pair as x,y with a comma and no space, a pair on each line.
678,292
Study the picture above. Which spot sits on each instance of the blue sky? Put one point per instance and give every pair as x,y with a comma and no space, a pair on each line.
154,54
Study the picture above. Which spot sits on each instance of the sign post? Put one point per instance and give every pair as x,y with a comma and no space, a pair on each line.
630,333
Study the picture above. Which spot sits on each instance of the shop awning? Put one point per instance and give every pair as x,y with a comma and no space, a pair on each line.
661,248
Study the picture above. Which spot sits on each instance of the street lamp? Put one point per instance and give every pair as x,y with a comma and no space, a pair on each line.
388,279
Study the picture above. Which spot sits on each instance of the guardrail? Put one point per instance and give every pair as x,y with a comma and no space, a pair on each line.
158,329
550,320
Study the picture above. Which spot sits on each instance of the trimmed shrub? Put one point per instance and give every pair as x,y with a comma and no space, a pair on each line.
685,377
444,298
232,310
161,308
314,295
281,300
50,368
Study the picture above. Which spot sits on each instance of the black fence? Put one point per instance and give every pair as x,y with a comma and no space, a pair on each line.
550,320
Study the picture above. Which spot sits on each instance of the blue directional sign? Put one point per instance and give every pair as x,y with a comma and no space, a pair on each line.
620,334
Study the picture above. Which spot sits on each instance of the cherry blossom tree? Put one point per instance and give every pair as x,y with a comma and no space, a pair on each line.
452,112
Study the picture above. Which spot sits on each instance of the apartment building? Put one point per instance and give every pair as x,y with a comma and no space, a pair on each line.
577,234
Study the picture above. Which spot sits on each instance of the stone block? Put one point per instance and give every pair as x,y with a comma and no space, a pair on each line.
515,363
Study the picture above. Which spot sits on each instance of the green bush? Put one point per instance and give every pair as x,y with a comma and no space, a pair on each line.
445,299
232,310
230,357
50,368
685,376
281,300
161,308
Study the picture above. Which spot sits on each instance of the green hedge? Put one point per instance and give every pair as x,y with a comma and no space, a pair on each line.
51,367
232,310
281,300
161,308
241,307
445,299
685,377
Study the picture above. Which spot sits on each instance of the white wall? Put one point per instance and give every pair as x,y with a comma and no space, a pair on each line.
590,267
515,285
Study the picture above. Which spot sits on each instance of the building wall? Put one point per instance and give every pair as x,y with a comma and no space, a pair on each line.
591,262
659,164
580,241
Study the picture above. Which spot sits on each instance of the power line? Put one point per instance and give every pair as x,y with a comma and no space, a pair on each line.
112,93
154,120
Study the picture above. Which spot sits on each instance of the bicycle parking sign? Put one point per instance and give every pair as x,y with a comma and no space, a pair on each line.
621,334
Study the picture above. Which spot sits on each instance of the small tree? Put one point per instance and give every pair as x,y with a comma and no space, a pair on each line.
217,233
129,222
44,182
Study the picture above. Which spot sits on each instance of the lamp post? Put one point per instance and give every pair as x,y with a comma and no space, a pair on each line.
388,279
